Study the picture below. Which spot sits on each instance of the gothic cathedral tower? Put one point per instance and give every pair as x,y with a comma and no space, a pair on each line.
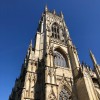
52,70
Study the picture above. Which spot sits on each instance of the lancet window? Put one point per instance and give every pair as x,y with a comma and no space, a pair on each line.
55,30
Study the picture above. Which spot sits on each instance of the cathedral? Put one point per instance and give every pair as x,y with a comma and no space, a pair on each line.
52,69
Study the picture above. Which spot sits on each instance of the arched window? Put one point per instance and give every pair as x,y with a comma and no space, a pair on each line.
55,30
64,95
59,59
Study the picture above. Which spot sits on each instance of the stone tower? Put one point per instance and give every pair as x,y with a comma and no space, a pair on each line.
52,70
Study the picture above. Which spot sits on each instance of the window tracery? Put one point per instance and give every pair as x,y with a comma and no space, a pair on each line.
55,30
64,95
59,59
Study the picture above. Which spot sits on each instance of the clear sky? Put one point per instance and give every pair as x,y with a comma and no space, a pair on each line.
18,23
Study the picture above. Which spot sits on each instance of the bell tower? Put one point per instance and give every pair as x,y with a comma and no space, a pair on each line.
58,74
51,69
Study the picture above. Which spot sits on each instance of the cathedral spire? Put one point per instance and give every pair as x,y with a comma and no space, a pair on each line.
46,8
93,58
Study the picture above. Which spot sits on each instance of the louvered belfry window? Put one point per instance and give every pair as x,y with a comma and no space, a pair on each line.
55,31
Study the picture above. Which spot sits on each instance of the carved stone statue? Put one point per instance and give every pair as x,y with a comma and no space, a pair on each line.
61,34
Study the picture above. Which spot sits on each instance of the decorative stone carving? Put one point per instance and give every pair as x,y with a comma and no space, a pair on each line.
48,28
61,34
51,75
65,83
52,95
51,50
49,72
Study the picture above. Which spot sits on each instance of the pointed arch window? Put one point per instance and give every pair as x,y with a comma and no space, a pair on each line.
55,30
64,95
58,32
59,59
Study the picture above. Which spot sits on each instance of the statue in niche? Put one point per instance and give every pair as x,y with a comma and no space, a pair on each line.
61,34
51,50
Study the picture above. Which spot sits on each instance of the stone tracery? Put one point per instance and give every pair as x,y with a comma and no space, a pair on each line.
57,31
64,95
59,60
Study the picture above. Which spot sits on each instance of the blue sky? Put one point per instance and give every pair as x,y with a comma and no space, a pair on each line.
18,23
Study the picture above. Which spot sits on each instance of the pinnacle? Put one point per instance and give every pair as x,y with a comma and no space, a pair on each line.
93,58
30,46
46,8
91,52
54,12
61,14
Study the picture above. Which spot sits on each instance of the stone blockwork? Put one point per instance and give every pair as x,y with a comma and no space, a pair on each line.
52,70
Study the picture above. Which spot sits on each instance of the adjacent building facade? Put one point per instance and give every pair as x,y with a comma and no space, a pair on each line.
52,70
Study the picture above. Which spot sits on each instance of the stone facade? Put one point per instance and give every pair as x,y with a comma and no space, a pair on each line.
52,70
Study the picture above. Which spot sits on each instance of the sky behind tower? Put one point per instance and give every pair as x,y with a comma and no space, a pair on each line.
18,24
